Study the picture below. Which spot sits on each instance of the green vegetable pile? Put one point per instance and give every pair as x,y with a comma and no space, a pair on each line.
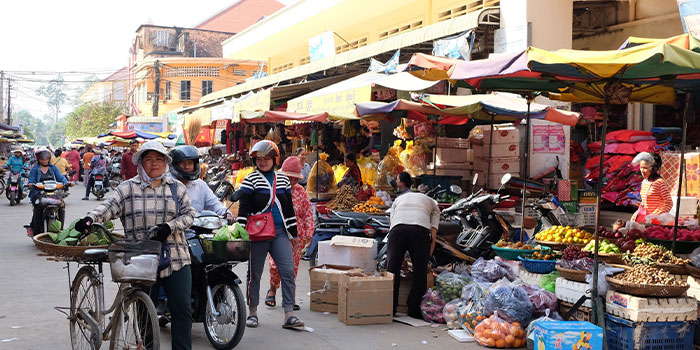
446,198
230,233
69,236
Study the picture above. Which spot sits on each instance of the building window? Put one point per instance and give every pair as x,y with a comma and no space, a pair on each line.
184,90
199,71
207,87
240,72
167,90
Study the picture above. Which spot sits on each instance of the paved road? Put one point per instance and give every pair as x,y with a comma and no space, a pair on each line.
30,287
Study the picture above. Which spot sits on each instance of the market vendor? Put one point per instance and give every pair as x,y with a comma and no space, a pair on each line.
353,176
655,193
414,222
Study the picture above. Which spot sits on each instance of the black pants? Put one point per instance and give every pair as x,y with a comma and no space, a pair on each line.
416,240
38,222
91,182
178,290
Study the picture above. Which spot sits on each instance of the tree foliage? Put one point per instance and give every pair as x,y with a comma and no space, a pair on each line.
55,97
91,119
34,128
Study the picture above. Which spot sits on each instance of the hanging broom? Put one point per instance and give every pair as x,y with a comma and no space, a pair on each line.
192,127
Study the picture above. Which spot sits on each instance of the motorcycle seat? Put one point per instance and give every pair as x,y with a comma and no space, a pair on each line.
96,254
446,228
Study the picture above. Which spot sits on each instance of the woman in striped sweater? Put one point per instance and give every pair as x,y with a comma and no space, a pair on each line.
655,193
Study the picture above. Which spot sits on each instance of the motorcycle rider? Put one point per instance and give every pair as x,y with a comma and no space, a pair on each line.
186,169
98,164
43,171
16,164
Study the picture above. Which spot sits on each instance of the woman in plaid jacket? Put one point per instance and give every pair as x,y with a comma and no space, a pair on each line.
154,199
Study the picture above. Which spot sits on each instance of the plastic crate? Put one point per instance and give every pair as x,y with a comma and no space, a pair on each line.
622,334
538,266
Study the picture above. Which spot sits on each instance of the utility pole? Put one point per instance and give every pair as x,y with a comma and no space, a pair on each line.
2,94
156,91
9,101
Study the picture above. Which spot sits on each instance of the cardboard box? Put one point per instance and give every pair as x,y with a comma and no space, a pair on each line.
507,133
494,181
497,150
323,291
587,197
366,299
451,155
405,287
349,251
498,165
553,335
570,206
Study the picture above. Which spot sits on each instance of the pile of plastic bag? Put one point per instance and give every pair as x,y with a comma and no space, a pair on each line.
321,179
450,284
432,306
510,300
491,271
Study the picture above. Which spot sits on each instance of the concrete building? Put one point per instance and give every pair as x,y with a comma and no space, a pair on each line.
112,89
240,15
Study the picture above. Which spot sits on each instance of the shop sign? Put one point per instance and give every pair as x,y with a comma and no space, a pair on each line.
252,103
337,103
690,16
549,139
512,39
322,46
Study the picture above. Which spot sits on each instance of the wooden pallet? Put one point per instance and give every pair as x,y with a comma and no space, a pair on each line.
641,309
582,314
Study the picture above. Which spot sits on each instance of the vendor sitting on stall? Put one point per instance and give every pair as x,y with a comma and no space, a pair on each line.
353,176
655,193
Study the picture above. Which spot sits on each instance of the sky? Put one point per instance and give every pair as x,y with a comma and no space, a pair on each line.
86,36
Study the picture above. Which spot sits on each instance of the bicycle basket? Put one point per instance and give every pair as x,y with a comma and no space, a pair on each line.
134,261
215,252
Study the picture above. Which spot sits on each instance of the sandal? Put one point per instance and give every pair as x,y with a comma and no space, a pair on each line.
270,299
296,307
293,323
252,321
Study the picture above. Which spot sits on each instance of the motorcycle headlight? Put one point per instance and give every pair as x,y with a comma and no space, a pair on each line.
208,222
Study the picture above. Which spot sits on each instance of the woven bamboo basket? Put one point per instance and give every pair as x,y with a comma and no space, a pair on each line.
646,290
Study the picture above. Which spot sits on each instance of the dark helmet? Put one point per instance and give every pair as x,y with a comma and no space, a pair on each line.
180,153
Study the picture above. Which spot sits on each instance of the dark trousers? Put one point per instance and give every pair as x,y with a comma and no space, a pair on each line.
178,290
91,182
38,222
416,240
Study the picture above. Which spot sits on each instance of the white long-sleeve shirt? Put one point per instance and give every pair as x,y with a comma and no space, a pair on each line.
413,208
203,198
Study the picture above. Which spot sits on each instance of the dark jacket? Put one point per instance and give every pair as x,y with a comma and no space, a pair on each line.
256,194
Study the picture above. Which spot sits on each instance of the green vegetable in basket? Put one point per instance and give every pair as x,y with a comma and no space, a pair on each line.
72,224
55,226
72,241
109,225
223,234
54,237
62,235
63,243
103,241
74,233
240,232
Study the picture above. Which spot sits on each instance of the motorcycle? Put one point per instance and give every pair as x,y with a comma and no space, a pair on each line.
51,196
98,187
115,176
217,300
14,191
353,224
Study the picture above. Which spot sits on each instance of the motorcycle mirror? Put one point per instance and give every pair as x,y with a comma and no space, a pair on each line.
476,176
456,189
506,177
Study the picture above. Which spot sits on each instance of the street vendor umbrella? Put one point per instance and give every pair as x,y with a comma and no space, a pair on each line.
428,67
647,73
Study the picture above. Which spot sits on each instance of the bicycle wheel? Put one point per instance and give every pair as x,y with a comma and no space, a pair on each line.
84,297
226,330
136,325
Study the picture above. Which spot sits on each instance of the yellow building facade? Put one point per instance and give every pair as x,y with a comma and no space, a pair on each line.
282,39
183,81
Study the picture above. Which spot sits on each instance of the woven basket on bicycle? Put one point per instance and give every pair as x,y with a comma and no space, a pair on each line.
134,261
44,243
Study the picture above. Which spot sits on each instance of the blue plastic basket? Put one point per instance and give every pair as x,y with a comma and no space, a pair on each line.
538,266
620,334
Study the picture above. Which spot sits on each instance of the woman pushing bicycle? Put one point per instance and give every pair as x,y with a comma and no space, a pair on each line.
153,198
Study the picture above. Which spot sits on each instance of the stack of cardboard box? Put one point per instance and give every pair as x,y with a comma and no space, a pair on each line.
504,153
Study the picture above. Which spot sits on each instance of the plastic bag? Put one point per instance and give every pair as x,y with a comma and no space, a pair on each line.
368,169
431,307
583,264
473,313
511,301
491,271
549,281
553,316
450,284
695,257
496,332
389,167
451,313
321,178
543,301
603,270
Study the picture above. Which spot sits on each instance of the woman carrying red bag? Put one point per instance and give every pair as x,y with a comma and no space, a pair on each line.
269,217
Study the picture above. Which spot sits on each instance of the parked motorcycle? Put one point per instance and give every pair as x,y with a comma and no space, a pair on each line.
51,196
217,300
115,176
15,185
98,186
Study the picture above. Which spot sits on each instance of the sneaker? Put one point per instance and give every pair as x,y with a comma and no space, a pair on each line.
86,198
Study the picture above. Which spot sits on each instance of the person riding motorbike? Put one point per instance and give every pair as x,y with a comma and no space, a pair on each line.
98,164
186,169
16,164
43,171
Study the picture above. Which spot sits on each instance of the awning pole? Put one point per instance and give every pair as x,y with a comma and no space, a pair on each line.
599,186
527,169
681,171
437,126
488,161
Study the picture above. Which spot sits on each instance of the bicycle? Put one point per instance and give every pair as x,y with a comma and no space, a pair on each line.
133,323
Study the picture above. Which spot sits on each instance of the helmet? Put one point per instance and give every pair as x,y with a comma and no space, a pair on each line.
181,153
265,148
42,153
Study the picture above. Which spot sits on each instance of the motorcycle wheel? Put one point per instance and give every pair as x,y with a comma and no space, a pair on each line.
226,330
12,198
2,186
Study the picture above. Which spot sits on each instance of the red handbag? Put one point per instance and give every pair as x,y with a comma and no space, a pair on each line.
261,226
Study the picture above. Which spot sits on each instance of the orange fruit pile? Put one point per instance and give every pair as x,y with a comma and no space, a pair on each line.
495,332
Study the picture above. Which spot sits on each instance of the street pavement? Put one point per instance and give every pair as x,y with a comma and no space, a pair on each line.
31,286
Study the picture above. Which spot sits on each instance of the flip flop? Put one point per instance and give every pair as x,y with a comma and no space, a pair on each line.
296,307
252,321
293,323
270,300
